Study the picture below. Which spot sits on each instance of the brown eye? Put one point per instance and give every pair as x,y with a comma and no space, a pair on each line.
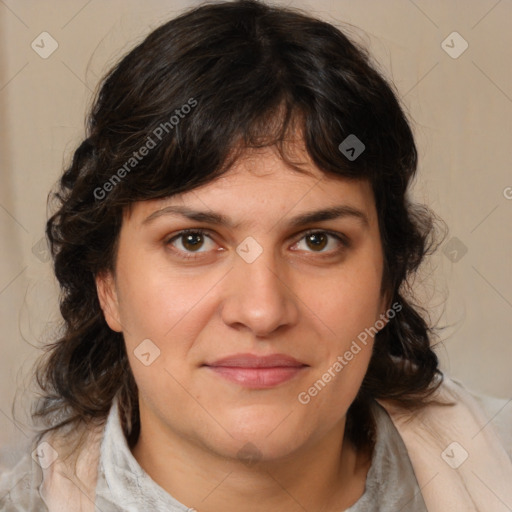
316,240
192,241
188,243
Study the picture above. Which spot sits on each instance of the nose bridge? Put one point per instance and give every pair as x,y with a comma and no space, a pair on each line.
258,296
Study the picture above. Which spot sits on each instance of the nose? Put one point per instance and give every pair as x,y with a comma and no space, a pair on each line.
259,296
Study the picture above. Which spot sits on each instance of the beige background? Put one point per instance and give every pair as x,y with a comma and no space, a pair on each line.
461,109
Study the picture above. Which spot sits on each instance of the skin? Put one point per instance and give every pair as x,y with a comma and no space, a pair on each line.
298,298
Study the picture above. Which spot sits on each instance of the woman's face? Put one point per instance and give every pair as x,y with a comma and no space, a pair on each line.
251,284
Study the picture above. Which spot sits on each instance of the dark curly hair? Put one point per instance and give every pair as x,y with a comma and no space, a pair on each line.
251,75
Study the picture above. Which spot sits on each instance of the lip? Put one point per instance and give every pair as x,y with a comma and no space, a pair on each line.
255,371
256,361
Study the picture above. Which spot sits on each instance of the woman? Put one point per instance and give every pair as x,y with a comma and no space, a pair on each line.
233,241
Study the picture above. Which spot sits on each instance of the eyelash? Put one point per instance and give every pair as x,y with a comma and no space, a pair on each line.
198,231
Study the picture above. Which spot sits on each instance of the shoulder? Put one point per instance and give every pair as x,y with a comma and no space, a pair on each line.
455,409
463,430
19,486
497,411
51,473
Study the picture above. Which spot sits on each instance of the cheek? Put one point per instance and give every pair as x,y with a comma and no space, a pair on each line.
346,309
347,302
168,308
153,300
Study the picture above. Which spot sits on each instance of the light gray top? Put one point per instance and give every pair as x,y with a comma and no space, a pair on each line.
124,486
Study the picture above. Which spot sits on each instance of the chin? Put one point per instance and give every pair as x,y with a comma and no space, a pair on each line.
261,435
257,449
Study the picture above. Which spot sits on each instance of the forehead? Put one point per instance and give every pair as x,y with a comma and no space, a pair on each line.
261,181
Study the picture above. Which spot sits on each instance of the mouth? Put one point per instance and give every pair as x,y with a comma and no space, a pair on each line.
257,372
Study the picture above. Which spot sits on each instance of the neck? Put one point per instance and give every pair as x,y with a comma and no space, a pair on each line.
326,475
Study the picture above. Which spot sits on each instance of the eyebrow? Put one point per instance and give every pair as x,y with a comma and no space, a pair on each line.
331,213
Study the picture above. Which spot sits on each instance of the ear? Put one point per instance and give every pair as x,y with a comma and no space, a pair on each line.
107,295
